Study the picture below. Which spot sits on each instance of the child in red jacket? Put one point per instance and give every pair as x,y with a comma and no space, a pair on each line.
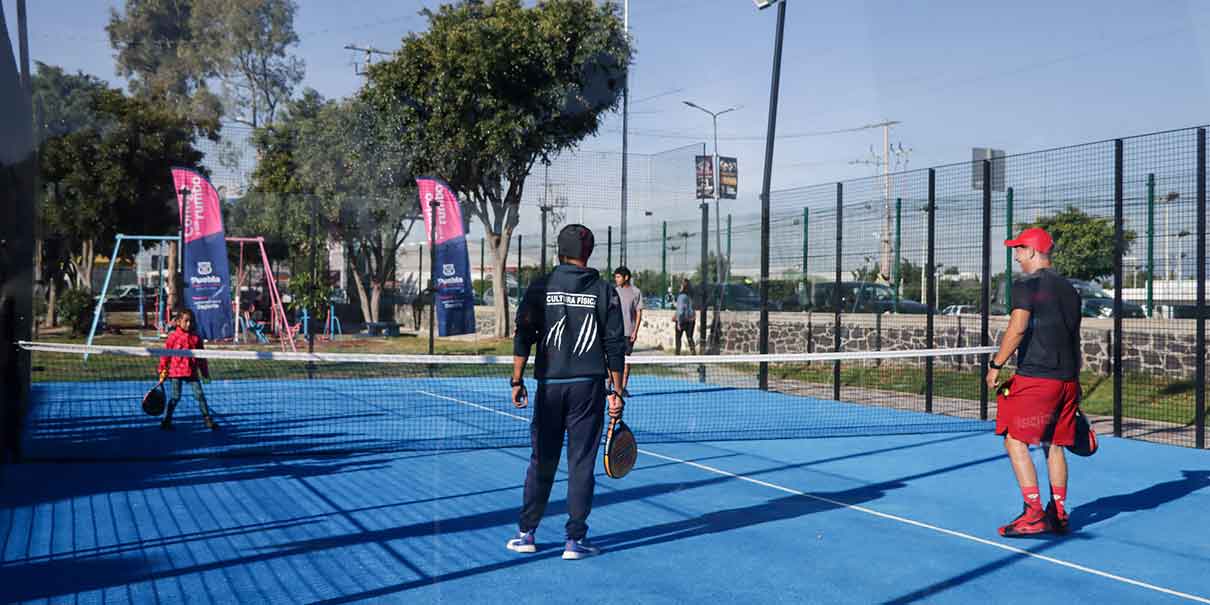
185,369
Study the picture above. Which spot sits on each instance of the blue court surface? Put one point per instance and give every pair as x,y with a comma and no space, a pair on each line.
900,519
907,513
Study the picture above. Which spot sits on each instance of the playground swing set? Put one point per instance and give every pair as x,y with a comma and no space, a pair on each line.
246,324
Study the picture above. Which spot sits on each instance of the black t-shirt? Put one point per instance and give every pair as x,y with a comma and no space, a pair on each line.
1051,346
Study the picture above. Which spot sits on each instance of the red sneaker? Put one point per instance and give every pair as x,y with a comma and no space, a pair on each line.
1030,522
1056,517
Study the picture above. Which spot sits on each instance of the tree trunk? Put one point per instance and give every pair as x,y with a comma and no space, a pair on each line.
173,270
362,299
52,295
375,300
499,247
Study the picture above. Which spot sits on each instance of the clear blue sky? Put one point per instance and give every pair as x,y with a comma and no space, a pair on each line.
1017,76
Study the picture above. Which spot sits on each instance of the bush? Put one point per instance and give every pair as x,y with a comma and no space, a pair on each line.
75,306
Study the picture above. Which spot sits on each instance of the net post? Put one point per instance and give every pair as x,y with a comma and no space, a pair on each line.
836,288
433,263
1199,413
985,289
931,290
1119,249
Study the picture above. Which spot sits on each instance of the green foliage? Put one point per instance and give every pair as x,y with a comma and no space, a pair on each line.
172,49
330,170
76,306
106,159
1083,243
309,291
490,88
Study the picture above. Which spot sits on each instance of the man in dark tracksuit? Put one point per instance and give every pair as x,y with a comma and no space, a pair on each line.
575,319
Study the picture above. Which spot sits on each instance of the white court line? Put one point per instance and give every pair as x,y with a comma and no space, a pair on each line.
881,515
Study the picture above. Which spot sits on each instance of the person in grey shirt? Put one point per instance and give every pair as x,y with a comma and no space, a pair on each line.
684,318
632,317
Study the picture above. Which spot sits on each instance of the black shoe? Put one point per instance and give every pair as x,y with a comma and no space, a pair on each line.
211,424
166,425
1056,518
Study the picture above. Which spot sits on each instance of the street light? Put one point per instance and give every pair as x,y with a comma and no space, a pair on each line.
718,237
768,176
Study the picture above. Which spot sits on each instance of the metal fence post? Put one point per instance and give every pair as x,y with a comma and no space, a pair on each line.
1199,414
985,297
1008,252
1119,249
931,294
1150,244
705,285
836,289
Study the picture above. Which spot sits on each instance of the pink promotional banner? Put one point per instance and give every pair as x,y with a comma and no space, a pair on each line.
454,298
204,250
199,204
449,213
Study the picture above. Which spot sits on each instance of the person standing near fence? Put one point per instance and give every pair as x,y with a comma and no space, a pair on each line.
1038,405
684,319
574,317
632,317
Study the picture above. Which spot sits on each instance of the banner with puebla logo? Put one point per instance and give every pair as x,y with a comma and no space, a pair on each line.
454,297
207,276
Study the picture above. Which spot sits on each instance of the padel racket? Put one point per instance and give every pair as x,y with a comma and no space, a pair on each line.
1086,438
621,450
153,401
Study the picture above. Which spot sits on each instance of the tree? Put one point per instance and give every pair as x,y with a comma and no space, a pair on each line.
492,88
247,42
332,165
173,49
105,162
1083,244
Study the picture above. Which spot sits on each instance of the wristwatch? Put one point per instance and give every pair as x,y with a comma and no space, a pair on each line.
991,363
516,383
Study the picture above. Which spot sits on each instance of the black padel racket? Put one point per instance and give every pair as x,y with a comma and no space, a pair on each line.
621,450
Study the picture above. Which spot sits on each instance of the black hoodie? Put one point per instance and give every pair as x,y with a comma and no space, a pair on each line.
575,318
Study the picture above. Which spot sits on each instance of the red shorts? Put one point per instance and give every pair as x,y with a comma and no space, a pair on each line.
1039,410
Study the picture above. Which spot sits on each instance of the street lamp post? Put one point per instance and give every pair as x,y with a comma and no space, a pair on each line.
768,176
718,237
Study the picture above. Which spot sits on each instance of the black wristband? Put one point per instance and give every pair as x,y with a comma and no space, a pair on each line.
516,383
991,363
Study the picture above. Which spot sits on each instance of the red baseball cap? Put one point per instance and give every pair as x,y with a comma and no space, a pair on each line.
1034,237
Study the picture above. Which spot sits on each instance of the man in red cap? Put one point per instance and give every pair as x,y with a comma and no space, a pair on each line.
1038,405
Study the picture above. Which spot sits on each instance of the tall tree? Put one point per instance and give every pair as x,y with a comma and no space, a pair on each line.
1083,243
105,162
490,89
174,49
333,164
248,42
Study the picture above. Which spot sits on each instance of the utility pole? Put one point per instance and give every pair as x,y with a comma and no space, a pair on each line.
625,131
882,164
369,57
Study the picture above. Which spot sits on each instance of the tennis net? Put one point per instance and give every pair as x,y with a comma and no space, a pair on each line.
85,402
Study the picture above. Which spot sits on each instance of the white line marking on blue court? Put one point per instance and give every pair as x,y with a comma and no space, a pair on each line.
881,515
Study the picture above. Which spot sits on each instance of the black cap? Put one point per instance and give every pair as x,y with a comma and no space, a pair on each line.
576,241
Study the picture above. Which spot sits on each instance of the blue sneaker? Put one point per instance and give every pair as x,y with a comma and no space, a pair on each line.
523,543
579,549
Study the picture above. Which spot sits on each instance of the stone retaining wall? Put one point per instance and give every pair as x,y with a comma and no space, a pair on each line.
1151,346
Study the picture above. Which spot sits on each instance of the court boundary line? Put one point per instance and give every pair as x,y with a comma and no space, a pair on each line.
882,515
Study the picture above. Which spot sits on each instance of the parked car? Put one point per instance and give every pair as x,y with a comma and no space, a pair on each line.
1099,303
126,298
960,310
863,297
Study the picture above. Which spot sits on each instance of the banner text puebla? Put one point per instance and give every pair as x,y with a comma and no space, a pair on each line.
454,298
207,276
